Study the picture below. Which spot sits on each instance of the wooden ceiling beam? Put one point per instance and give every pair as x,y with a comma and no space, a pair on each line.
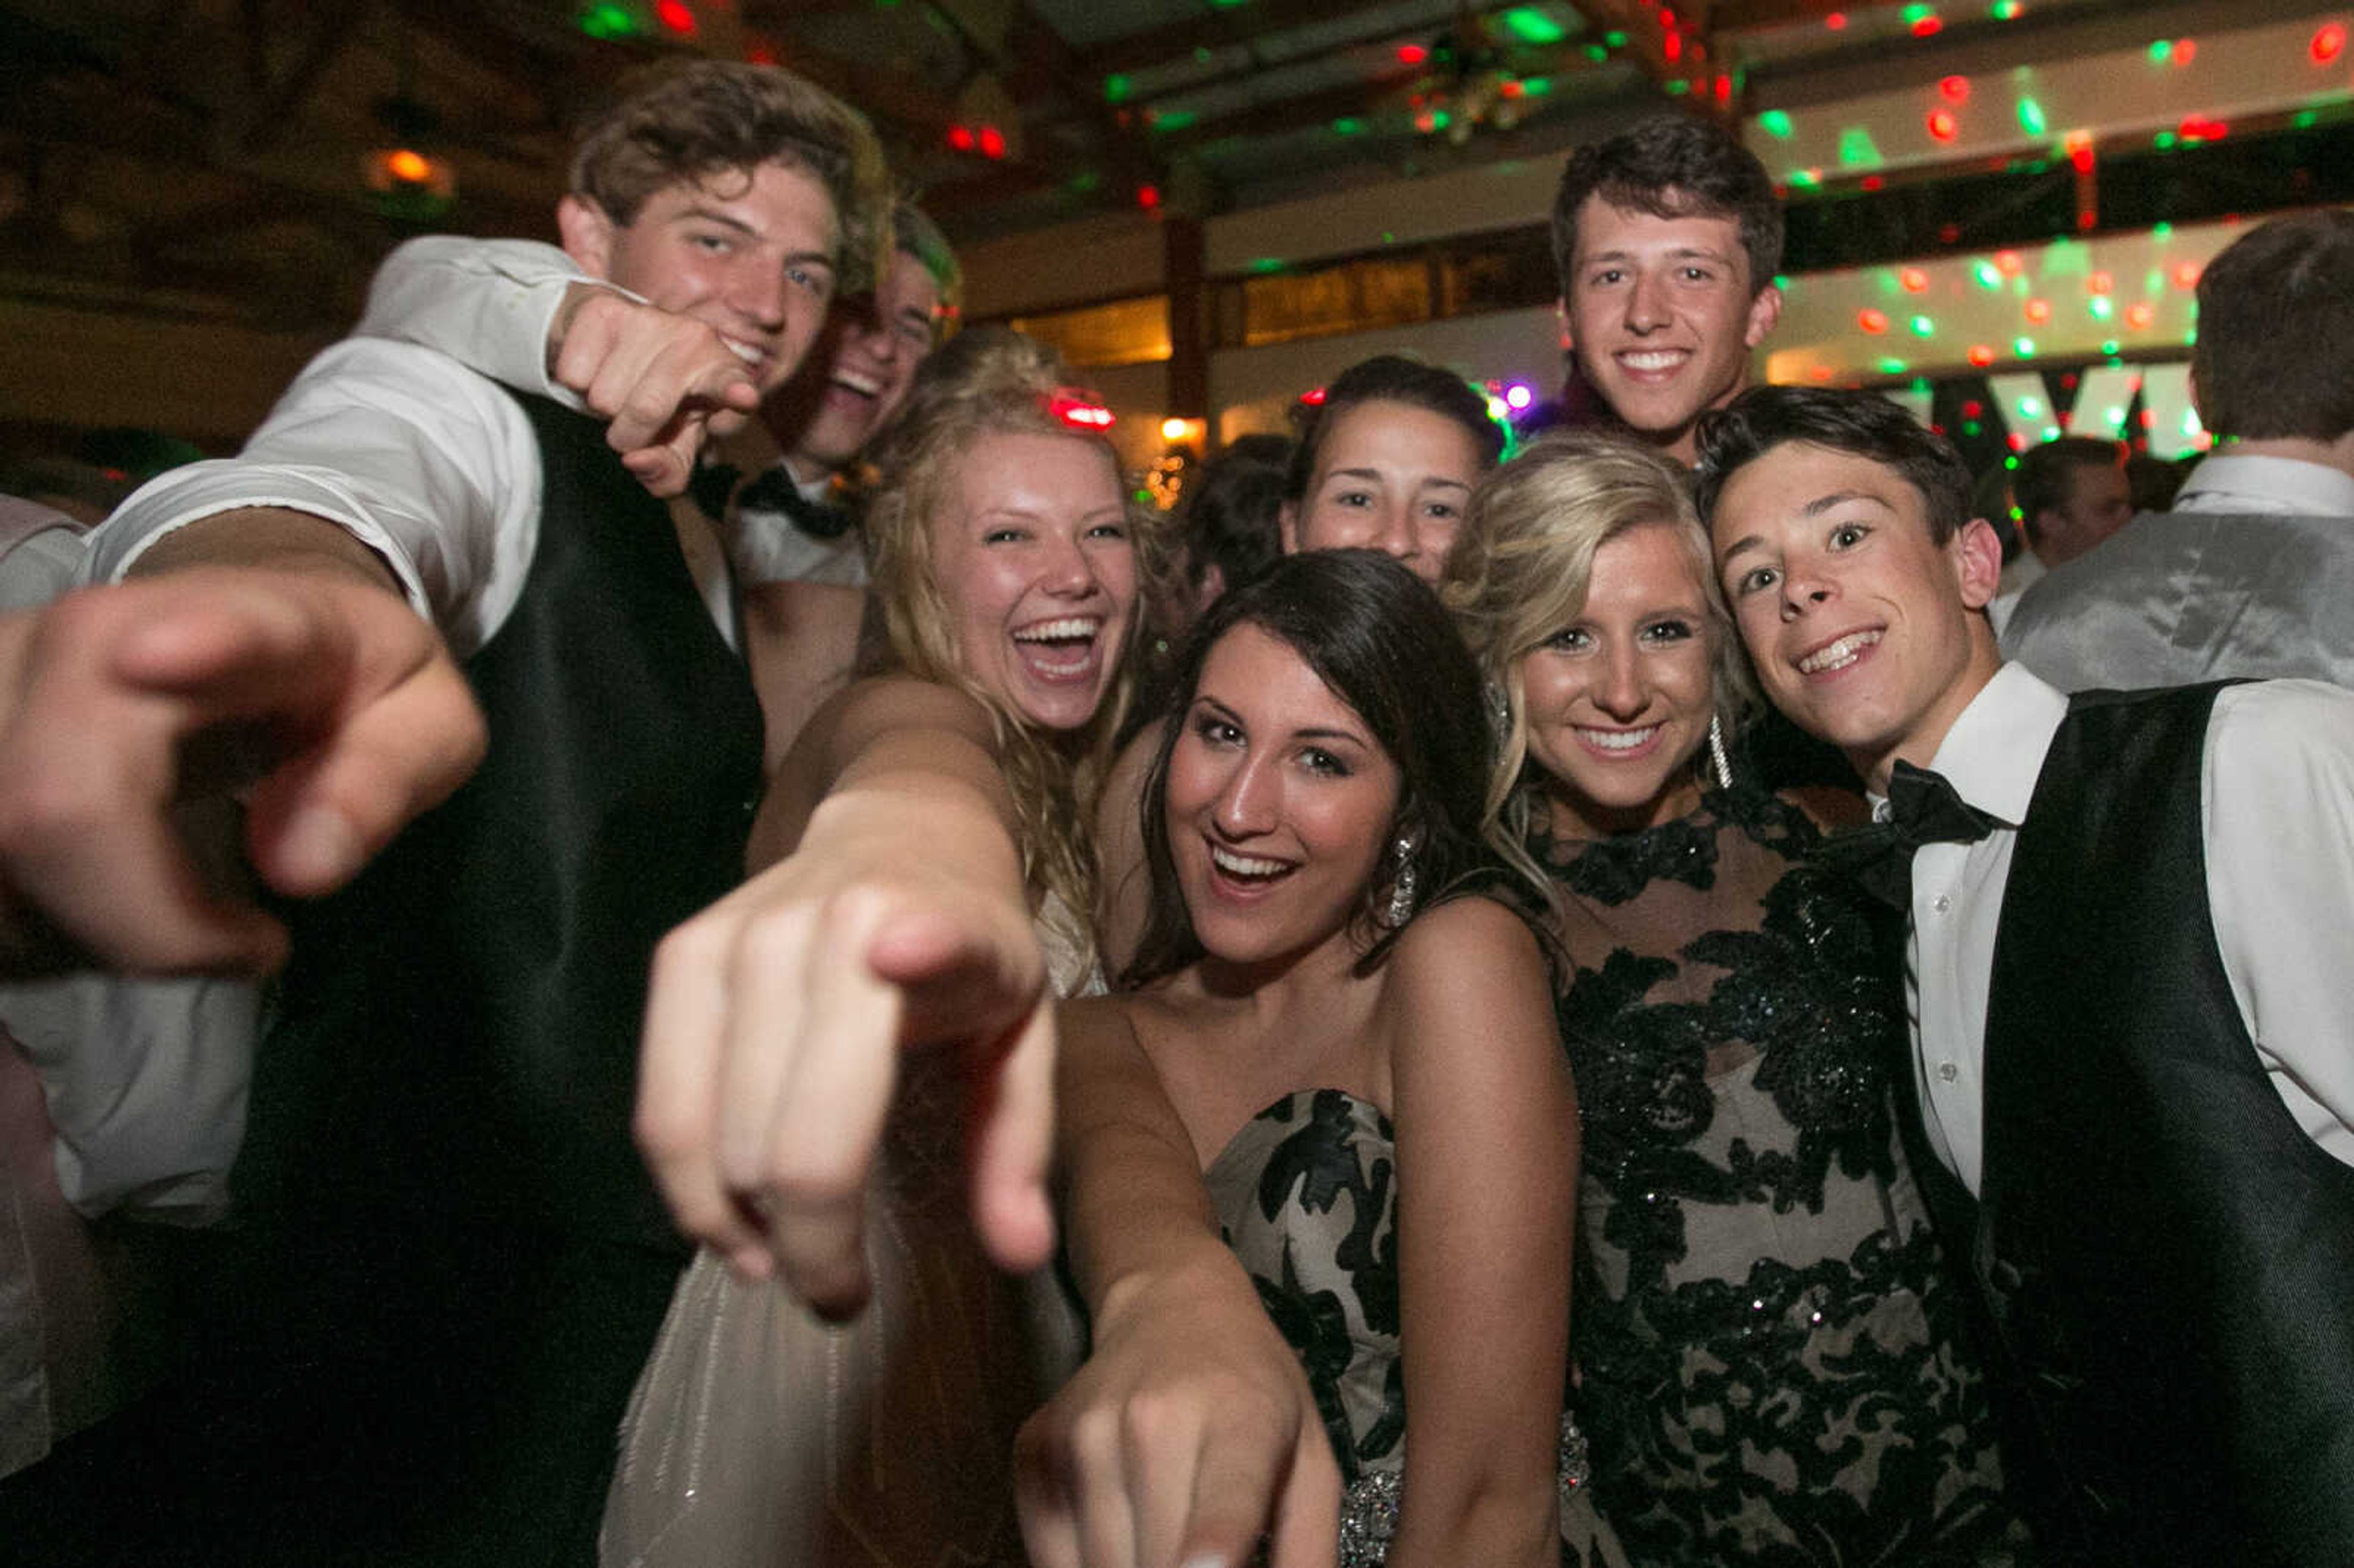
1242,25
1035,66
271,106
1358,100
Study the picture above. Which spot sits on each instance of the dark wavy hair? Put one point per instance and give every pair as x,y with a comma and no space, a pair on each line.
688,122
1673,165
1390,378
1860,423
1376,635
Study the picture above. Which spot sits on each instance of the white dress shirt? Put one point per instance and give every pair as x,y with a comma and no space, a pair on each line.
2277,817
767,546
2241,484
427,463
487,303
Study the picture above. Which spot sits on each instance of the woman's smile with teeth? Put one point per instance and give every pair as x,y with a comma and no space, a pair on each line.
1838,655
1244,865
1060,648
1618,739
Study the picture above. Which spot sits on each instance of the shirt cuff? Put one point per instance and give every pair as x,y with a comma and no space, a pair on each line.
190,495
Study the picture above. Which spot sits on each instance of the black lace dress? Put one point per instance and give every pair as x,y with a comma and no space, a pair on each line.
1769,1357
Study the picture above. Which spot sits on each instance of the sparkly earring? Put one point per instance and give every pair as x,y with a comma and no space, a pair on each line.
1402,883
1500,711
1716,752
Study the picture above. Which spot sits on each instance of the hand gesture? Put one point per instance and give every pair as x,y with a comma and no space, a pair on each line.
346,719
1189,1434
664,380
774,1030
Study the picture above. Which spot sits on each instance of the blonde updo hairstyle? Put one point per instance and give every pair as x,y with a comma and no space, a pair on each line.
985,382
1519,574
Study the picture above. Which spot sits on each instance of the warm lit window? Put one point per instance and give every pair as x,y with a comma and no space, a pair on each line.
1125,331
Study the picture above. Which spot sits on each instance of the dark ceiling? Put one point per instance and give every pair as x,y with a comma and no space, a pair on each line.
210,157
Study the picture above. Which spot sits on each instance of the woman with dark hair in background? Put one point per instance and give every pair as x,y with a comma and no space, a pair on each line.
1228,529
1349,1041
1387,458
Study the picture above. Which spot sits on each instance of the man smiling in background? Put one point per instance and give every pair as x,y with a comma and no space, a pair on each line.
1667,237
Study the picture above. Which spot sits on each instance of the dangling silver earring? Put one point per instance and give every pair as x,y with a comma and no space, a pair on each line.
1402,883
1716,752
1500,711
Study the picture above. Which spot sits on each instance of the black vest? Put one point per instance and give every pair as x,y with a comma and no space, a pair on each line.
2164,1260
458,1033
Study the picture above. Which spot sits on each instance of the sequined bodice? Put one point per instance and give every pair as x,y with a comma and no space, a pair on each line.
1770,1364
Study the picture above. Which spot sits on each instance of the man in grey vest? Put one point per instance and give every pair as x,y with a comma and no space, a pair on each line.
2252,572
2129,922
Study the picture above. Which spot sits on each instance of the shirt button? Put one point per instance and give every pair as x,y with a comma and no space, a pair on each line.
1947,1072
1941,904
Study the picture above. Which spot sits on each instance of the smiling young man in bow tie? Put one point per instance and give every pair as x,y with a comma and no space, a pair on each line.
2134,1042
776,487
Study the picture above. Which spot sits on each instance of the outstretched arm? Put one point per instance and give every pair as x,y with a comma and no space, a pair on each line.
523,312
265,643
1190,1431
1487,1171
897,917
265,648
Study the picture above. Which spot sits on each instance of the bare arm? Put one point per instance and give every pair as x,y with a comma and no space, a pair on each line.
269,627
1191,1429
1487,1153
895,915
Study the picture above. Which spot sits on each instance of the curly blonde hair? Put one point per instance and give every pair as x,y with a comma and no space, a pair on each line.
1519,574
686,121
993,381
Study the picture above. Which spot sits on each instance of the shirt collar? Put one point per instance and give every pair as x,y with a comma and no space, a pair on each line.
1995,751
2242,482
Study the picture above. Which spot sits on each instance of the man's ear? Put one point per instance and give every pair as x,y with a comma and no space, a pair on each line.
588,235
1976,551
1286,526
1213,583
1764,311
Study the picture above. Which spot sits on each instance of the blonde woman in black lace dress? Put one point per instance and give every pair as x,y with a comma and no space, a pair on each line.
1767,1357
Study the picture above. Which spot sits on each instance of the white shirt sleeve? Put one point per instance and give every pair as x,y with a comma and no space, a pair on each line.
2279,827
432,466
146,1085
42,565
486,303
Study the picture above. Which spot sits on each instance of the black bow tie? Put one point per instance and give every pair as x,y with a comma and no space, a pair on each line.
1924,807
712,488
773,490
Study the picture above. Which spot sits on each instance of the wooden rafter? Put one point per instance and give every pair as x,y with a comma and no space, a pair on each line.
271,102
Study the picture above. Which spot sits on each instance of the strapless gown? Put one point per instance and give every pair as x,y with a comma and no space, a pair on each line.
1307,1194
